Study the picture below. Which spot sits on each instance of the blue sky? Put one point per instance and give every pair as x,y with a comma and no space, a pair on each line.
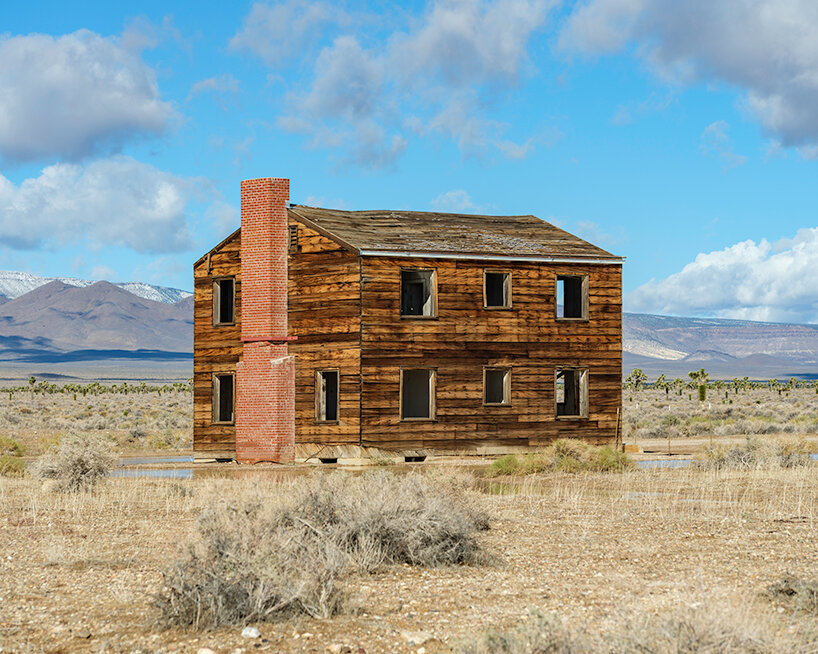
683,136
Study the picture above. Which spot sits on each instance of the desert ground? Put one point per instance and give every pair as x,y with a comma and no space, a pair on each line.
631,556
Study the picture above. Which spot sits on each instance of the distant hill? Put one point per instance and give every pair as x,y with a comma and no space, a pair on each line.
14,284
725,348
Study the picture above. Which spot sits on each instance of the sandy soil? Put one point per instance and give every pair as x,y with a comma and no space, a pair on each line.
77,571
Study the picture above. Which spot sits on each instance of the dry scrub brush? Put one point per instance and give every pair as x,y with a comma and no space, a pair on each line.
755,453
564,455
78,463
687,632
258,559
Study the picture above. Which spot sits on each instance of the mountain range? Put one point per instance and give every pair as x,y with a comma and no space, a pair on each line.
13,284
79,328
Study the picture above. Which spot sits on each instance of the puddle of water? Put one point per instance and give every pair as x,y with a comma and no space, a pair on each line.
167,473
814,457
664,463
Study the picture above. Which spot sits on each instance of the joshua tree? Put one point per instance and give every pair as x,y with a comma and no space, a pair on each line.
636,379
699,378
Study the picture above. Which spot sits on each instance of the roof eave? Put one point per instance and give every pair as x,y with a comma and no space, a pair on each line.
612,260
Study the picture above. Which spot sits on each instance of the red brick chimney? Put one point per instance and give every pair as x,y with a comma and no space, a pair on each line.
265,377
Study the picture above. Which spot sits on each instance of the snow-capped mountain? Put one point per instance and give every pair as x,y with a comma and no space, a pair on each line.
13,284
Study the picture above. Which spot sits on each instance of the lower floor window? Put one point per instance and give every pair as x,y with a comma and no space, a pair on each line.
496,386
326,395
571,392
224,398
417,393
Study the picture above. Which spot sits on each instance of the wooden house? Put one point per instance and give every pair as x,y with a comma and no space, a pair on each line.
322,333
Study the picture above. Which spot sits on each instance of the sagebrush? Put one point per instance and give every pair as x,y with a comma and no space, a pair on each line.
289,553
755,453
77,463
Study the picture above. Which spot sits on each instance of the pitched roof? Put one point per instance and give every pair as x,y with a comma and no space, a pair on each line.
419,233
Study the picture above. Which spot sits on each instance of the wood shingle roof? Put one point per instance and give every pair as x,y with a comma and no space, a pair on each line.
418,233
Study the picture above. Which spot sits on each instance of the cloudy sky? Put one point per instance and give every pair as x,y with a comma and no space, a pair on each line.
682,135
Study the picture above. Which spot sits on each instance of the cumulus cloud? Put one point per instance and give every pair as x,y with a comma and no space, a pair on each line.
768,48
117,201
748,280
444,72
73,95
277,32
220,84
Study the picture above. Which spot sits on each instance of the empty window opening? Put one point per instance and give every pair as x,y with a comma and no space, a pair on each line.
414,459
417,293
571,392
223,397
329,460
326,395
496,290
496,386
224,301
417,394
572,296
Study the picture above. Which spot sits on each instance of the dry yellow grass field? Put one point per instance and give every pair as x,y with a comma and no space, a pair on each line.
601,550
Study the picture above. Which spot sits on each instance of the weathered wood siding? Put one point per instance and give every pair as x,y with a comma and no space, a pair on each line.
465,338
324,315
215,349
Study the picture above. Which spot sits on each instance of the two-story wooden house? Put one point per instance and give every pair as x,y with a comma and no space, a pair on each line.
323,333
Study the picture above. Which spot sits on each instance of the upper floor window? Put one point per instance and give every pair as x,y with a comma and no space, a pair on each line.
418,290
496,289
224,301
572,297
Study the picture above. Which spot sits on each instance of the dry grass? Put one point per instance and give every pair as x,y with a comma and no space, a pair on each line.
564,455
133,421
599,550
650,413
756,453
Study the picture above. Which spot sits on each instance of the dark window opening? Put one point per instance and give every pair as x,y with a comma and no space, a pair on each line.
417,293
497,291
329,460
496,386
414,459
572,296
571,392
326,399
417,394
293,237
224,301
223,396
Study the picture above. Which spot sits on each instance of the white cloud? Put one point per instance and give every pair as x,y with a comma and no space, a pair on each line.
716,142
220,84
454,202
444,73
768,48
748,280
117,201
278,32
73,95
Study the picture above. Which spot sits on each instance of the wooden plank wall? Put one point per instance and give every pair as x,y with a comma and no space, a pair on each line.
324,315
215,349
465,337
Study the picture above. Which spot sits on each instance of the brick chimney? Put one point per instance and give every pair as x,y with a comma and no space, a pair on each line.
265,377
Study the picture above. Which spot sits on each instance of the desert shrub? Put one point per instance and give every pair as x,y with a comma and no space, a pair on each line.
801,594
755,453
10,447
564,455
262,558
77,463
714,632
12,466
